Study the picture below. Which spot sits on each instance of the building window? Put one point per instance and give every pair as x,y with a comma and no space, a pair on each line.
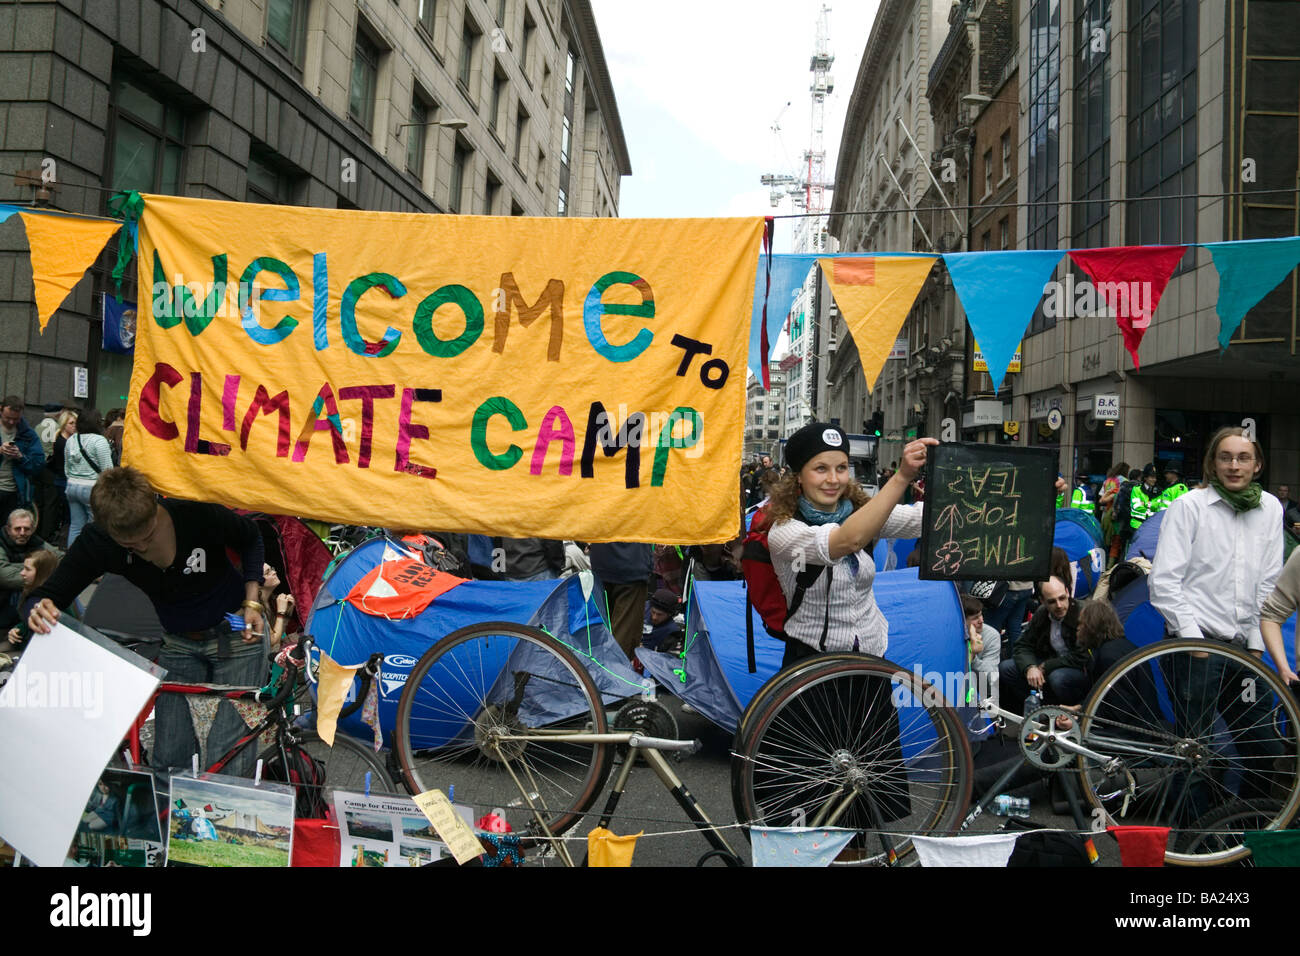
530,37
521,134
566,140
425,11
1006,156
1044,126
1092,124
1004,231
148,140
286,27
491,194
267,183
416,137
541,166
498,95
469,35
562,204
1162,121
459,166
365,79
988,172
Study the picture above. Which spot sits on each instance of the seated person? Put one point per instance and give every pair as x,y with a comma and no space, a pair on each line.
664,627
18,539
984,652
37,568
1048,658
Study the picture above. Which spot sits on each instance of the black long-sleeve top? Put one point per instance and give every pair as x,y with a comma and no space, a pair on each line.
199,587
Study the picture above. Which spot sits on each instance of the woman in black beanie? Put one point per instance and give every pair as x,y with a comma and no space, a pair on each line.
820,517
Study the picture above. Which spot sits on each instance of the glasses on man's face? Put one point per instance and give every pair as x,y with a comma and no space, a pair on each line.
1223,458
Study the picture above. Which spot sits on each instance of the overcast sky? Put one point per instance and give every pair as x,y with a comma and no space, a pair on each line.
700,84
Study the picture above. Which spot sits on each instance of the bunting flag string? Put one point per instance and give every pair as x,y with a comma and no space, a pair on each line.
1131,280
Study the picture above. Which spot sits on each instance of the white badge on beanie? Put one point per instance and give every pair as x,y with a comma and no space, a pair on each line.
831,437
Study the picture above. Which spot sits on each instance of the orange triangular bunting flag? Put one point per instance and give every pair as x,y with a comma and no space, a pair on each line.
63,248
874,294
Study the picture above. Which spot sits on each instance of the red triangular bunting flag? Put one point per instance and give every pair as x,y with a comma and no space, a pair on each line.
1131,279
1141,846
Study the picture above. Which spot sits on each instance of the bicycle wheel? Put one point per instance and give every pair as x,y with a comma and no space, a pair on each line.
756,703
855,742
490,710
1191,727
348,762
1223,829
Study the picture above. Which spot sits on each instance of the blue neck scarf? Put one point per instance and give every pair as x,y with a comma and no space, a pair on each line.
815,516
809,514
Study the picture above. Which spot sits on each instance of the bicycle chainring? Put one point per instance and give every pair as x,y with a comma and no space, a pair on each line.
1039,730
645,717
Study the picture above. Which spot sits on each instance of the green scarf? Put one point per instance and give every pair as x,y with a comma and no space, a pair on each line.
1244,500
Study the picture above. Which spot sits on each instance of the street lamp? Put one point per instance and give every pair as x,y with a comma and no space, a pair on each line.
980,100
449,124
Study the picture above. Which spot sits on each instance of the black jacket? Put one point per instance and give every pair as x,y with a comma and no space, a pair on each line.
1035,644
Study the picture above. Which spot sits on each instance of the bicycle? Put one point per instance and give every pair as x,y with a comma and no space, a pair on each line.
1160,741
348,764
509,717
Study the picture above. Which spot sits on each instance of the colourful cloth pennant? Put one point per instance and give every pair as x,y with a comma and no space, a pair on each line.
606,849
999,291
798,846
63,248
1141,846
874,294
333,681
788,274
1274,847
992,849
1249,269
1131,280
6,211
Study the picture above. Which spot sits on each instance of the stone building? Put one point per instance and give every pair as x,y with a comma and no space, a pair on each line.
501,107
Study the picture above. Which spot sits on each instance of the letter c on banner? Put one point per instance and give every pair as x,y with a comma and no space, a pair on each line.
348,317
150,395
594,309
478,433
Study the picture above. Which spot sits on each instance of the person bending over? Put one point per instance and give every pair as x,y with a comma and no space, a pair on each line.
174,551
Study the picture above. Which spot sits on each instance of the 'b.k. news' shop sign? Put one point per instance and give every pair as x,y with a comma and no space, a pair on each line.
525,377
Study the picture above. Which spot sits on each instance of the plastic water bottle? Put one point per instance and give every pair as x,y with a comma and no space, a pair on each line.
1033,702
1008,806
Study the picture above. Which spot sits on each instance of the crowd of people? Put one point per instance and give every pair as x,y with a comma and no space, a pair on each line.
220,616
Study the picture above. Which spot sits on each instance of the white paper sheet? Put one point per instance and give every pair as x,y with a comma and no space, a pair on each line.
63,712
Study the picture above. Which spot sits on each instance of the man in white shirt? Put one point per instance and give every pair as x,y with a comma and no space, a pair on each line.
1218,556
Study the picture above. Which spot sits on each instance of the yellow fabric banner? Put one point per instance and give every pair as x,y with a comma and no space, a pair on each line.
604,848
874,295
559,378
63,248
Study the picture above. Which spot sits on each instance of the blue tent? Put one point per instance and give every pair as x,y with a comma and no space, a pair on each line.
925,635
892,553
566,608
1079,536
1143,544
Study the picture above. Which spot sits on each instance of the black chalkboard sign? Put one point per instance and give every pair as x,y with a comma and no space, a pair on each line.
990,511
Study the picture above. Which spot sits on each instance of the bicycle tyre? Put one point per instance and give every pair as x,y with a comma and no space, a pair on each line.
1183,766
794,759
348,762
454,711
1235,818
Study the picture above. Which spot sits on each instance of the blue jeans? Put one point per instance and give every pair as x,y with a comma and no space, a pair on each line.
1009,616
79,505
197,661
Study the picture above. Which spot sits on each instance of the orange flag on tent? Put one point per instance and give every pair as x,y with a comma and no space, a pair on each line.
874,294
63,248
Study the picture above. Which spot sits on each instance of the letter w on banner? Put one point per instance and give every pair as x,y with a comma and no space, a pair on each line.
558,378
